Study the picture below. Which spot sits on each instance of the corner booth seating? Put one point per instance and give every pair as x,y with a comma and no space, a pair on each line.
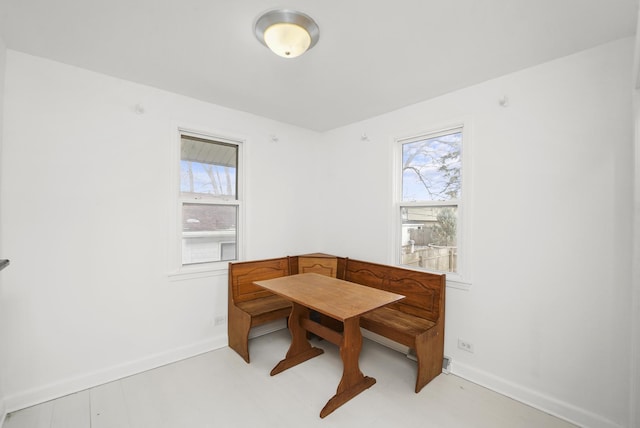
416,321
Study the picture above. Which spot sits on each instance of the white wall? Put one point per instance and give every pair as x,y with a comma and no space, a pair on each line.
86,219
85,211
3,342
549,308
634,397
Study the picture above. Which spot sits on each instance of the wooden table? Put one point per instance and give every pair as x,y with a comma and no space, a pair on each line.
342,300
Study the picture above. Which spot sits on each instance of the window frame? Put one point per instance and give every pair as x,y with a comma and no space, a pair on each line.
177,269
462,278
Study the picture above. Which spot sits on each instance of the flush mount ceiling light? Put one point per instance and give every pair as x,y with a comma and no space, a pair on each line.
286,32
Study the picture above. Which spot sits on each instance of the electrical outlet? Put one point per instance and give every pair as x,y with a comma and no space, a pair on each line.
220,320
465,345
446,364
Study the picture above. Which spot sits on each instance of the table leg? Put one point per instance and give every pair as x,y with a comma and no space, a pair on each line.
353,382
300,349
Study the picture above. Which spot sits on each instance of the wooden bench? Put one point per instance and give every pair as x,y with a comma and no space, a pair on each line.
416,321
250,305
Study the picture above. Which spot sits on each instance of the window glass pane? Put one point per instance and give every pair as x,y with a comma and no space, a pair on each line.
429,237
208,167
209,233
431,168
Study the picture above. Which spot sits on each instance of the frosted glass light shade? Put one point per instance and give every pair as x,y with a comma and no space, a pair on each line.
287,40
286,32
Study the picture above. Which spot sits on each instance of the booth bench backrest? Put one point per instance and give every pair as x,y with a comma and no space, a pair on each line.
243,274
423,291
323,264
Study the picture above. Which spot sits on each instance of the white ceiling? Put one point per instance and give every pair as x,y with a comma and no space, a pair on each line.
373,56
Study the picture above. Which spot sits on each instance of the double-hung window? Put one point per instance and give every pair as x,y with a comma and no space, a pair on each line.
208,198
430,201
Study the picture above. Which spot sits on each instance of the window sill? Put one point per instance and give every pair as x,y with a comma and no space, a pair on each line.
195,272
453,280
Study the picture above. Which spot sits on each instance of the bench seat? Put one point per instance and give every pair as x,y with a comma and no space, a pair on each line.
273,307
396,325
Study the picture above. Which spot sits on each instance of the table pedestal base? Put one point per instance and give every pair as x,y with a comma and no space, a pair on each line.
353,382
342,397
294,360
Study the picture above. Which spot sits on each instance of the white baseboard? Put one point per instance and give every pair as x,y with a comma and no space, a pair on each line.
548,404
569,412
545,403
385,342
263,329
535,399
79,383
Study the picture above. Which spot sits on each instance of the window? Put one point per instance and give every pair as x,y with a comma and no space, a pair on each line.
208,199
430,201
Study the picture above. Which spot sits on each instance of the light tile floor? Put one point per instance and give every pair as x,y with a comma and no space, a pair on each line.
218,389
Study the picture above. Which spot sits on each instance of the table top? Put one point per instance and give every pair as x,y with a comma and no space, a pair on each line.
330,296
